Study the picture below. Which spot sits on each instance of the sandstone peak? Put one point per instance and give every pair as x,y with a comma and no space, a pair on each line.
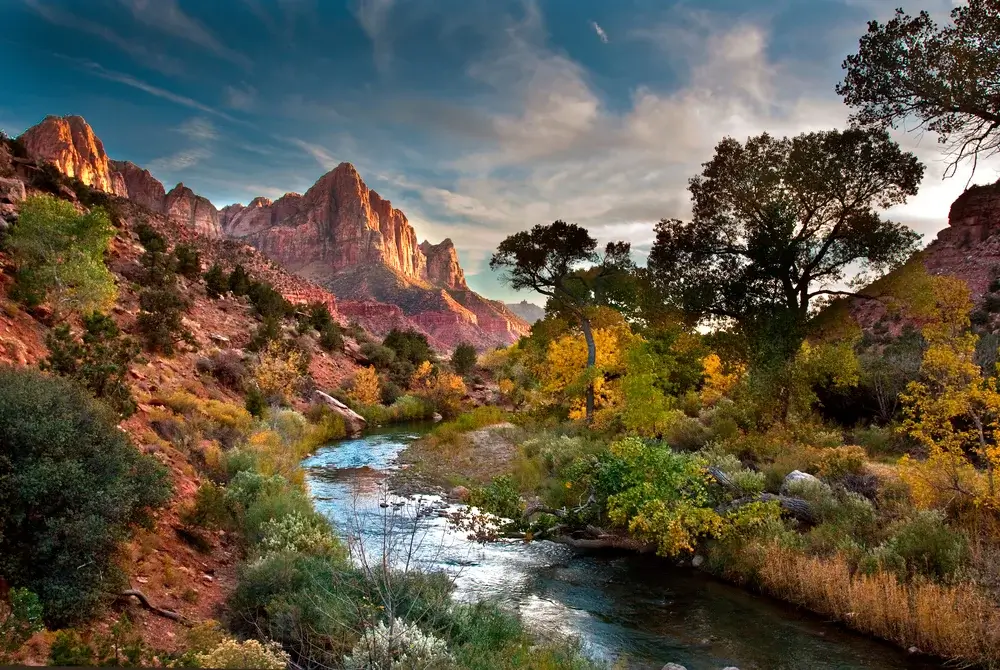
260,201
197,213
69,143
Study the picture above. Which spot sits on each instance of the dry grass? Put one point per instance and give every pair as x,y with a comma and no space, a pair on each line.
957,622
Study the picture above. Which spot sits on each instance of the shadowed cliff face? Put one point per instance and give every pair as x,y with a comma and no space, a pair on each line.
339,234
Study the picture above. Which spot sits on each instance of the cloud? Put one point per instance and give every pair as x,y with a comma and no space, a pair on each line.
198,129
241,97
127,79
167,17
373,16
180,160
322,156
603,36
141,53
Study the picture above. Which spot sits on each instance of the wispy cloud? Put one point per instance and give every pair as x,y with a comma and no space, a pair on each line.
198,129
373,15
241,97
603,36
141,53
180,160
128,80
322,156
167,17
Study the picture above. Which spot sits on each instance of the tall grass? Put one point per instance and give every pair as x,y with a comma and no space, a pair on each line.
952,621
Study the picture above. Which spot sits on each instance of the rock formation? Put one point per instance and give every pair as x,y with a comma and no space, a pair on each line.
197,213
70,144
344,236
442,265
141,187
528,311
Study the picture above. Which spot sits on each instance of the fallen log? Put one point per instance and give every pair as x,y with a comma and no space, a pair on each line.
796,507
144,601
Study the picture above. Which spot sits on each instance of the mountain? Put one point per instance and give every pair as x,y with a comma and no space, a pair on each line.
340,235
528,311
346,237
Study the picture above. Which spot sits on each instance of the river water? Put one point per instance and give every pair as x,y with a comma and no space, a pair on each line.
618,605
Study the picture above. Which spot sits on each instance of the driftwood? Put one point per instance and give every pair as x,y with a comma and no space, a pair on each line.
144,601
797,507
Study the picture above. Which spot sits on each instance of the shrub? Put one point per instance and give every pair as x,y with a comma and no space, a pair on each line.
239,281
398,644
162,307
302,533
248,485
992,303
463,361
409,345
249,654
226,366
364,387
839,462
277,372
69,649
268,302
500,498
255,402
59,256
188,261
926,546
151,240
212,508
444,390
71,485
20,618
216,284
99,362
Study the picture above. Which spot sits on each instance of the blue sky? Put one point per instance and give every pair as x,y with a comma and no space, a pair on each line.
477,118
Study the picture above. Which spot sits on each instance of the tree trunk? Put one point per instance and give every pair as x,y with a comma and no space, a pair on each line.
591,361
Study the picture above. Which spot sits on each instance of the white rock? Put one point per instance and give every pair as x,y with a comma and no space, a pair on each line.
796,476
697,561
673,666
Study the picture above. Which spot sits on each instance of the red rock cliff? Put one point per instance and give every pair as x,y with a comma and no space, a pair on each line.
69,143
141,187
195,212
442,265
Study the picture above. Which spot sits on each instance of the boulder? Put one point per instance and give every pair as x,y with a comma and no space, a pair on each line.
11,191
673,666
796,476
697,561
354,422
459,493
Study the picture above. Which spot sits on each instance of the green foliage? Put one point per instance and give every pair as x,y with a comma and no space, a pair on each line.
99,362
150,239
500,498
922,545
59,255
161,304
188,261
68,649
239,280
463,360
268,302
20,618
318,316
940,78
410,346
449,431
255,402
226,366
71,486
216,283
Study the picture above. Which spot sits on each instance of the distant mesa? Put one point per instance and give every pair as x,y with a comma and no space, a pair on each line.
528,311
339,234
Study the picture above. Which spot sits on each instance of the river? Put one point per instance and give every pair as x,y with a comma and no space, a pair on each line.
637,607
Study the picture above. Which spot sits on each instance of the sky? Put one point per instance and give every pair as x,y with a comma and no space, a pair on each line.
477,118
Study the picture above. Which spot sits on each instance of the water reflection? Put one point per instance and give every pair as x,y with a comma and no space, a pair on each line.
637,607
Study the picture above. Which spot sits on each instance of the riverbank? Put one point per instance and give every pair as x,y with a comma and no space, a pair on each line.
623,607
949,620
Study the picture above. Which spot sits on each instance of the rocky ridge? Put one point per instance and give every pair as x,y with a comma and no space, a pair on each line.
339,234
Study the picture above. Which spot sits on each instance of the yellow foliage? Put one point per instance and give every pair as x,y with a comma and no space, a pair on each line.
563,374
506,387
278,371
445,390
364,388
718,382
953,410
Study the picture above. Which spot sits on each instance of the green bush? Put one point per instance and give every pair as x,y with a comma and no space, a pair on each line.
71,486
188,261
463,360
500,498
59,256
211,509
161,305
150,240
99,362
927,546
216,284
20,618
255,402
239,281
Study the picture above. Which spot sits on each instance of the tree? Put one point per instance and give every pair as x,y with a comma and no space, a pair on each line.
364,387
954,410
463,360
71,486
278,372
188,261
443,390
216,284
546,259
100,361
161,305
945,79
59,254
779,223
